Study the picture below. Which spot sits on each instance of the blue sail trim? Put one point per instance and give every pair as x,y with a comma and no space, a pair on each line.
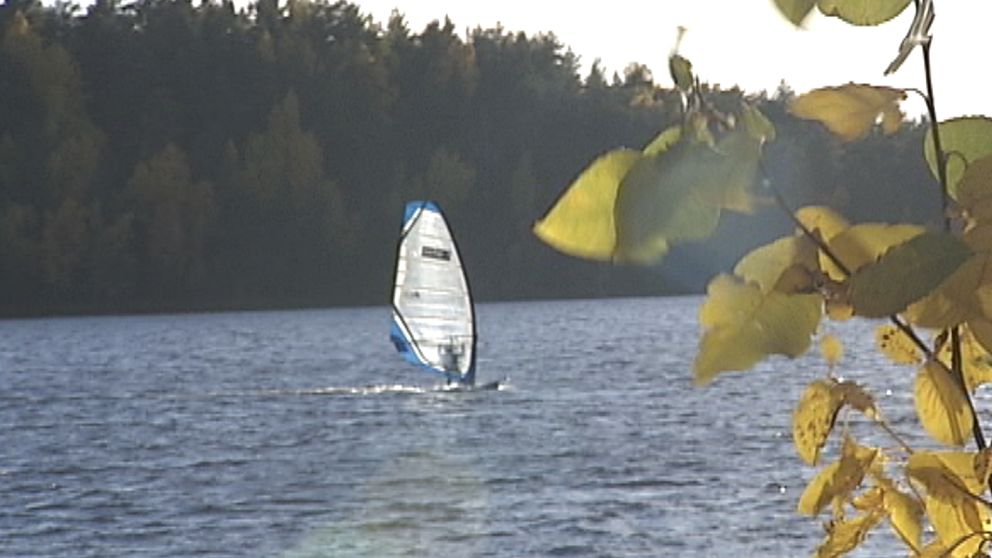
400,333
406,347
413,206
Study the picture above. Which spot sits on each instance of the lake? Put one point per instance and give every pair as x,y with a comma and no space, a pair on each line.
302,434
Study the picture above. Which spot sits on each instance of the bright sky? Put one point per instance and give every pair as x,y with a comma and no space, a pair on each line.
744,42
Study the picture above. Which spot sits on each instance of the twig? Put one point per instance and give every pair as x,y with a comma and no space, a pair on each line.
957,371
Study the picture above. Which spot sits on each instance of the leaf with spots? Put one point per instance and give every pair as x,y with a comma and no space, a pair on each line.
896,345
813,419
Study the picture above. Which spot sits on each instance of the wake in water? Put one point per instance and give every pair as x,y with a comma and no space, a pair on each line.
346,390
375,389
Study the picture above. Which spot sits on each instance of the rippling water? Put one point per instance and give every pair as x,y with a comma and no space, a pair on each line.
301,434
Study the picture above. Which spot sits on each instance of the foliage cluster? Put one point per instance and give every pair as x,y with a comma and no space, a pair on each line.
163,155
932,285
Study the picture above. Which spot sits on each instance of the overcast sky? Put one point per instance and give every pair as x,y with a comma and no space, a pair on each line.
744,42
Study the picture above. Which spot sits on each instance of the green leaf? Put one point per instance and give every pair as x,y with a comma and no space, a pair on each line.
581,222
966,294
681,70
905,274
851,111
862,244
757,124
678,194
863,12
795,10
743,325
963,140
974,191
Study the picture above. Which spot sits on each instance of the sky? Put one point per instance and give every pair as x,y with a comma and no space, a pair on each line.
744,42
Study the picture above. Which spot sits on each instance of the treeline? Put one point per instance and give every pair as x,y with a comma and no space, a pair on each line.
158,155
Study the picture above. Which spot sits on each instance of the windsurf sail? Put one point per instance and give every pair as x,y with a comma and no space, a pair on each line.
433,316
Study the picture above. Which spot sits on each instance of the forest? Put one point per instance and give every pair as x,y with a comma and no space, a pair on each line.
165,156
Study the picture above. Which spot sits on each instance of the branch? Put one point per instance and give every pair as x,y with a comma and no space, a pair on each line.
957,371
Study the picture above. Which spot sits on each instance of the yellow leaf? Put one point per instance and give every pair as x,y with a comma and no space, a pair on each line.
893,343
975,362
767,264
941,406
845,535
832,349
959,523
865,243
838,310
581,222
796,279
981,328
905,515
743,325
982,464
935,549
839,479
948,475
871,499
822,220
814,418
951,480
855,396
852,110
663,141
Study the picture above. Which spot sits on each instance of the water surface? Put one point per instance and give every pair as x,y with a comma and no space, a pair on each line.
301,434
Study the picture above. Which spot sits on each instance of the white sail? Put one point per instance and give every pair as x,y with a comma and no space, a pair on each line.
433,316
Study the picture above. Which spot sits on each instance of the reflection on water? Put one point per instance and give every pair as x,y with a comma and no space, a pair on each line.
301,434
